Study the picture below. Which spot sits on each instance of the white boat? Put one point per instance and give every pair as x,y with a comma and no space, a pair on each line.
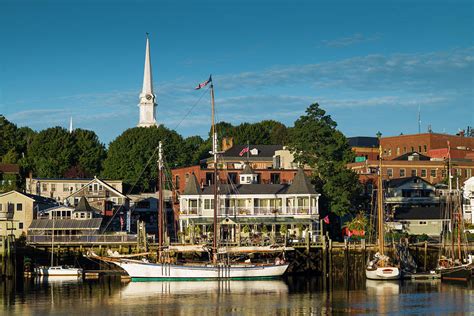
58,271
143,271
381,267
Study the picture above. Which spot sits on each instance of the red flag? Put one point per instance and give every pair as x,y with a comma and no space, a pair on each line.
326,219
243,151
203,84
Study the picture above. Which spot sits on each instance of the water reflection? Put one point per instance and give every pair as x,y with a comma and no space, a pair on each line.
296,295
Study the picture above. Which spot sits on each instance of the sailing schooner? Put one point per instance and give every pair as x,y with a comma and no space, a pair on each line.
143,270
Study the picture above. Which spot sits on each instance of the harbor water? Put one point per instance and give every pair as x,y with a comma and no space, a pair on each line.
288,296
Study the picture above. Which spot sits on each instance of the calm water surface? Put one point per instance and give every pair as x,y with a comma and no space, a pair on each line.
291,296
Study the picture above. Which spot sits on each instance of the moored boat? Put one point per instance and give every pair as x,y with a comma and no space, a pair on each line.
58,271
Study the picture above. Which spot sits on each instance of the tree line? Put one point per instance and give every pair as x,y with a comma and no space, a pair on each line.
54,152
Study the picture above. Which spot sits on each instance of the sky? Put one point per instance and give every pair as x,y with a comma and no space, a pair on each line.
372,65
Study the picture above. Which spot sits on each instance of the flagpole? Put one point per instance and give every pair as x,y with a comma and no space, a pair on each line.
248,149
214,152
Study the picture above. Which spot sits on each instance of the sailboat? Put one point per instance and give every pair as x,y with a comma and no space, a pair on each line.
163,269
456,266
381,267
52,270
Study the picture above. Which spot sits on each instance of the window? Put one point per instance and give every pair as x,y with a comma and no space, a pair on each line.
413,172
458,172
44,187
423,173
443,173
90,187
390,151
390,172
398,151
176,182
101,187
275,178
208,204
404,149
402,173
424,148
19,207
433,173
65,187
20,225
1,207
469,173
53,187
419,149
412,149
11,207
95,187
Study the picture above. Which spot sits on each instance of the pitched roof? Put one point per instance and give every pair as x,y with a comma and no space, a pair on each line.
65,224
394,183
413,153
414,213
301,184
363,141
105,184
36,198
192,187
247,189
83,206
267,151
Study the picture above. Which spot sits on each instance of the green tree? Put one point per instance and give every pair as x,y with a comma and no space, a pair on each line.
132,156
90,152
315,141
52,152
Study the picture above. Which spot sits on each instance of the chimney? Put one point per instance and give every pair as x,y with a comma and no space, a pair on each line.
227,142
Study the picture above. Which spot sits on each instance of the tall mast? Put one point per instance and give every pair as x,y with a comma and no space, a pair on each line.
160,200
215,153
380,212
52,242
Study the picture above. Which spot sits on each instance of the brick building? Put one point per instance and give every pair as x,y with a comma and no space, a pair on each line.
426,143
365,148
414,164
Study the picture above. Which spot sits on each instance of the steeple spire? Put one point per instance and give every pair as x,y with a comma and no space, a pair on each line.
147,98
147,77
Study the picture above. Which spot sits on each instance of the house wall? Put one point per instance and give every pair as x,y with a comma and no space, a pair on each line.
59,189
20,220
430,227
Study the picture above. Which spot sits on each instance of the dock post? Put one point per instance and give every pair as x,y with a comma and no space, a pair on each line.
426,252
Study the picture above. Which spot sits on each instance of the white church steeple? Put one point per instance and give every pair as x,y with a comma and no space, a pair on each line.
147,98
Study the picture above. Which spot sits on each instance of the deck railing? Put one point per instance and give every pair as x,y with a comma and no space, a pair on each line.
81,239
253,211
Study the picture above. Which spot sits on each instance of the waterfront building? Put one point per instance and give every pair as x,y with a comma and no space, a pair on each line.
61,188
68,224
364,148
9,177
250,206
18,209
468,200
147,103
101,195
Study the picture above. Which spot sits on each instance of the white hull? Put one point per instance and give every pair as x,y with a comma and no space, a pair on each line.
385,273
143,270
58,271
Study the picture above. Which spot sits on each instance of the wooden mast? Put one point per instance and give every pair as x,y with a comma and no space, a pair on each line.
214,152
160,201
380,212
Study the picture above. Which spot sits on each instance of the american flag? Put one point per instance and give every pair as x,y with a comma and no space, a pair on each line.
243,151
203,84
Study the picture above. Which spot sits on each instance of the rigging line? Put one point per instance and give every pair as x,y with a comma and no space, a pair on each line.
192,108
130,190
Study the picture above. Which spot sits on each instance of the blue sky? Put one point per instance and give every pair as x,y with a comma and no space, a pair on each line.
370,64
